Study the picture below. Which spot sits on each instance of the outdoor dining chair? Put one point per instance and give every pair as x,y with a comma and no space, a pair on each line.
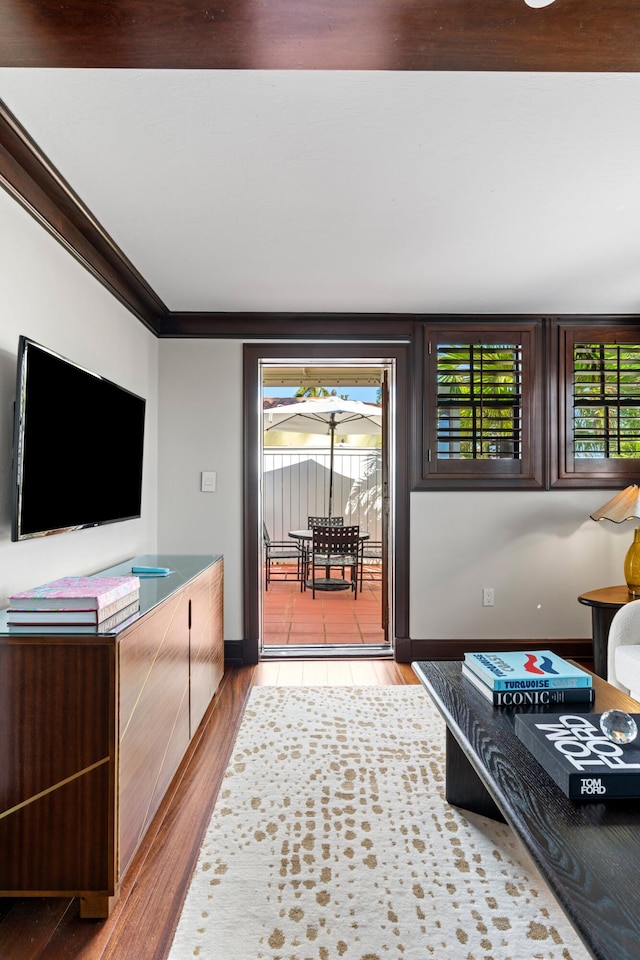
317,522
277,551
371,555
335,547
325,522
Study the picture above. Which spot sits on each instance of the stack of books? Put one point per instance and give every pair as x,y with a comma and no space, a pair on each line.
75,605
577,755
527,678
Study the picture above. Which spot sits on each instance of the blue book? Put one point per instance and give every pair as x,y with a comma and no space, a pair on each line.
526,670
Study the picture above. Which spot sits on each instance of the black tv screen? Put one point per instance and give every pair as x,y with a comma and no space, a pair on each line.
78,446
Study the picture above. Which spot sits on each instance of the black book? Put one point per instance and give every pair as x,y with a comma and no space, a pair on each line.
529,698
576,754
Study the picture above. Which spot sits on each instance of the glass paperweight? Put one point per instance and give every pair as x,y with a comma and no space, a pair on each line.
618,726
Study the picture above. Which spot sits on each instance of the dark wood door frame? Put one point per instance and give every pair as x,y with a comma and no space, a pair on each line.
253,353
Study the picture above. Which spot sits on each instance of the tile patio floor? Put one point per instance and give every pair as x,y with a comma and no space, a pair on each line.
292,617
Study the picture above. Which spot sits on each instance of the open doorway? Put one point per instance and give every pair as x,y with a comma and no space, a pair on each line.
326,453
396,352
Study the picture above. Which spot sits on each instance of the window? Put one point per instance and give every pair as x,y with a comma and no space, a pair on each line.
599,394
606,400
479,401
480,424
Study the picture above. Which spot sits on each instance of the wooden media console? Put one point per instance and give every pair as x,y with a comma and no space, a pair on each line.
93,727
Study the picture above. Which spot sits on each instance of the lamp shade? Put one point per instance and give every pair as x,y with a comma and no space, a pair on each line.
624,506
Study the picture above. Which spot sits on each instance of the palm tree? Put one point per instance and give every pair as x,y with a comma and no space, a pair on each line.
314,392
365,498
606,422
478,400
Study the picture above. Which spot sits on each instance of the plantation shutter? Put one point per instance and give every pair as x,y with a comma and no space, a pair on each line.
599,423
479,427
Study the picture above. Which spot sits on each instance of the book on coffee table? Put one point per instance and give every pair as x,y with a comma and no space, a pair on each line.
526,670
576,754
529,697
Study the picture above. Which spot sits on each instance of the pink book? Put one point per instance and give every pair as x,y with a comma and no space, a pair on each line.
76,593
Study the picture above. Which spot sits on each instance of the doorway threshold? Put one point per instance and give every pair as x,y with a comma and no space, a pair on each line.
324,651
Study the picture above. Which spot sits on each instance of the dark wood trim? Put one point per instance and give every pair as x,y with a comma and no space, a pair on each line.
548,388
527,472
283,326
578,649
251,563
233,653
347,326
585,35
565,471
27,174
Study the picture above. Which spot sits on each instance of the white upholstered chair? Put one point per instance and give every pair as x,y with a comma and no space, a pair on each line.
623,667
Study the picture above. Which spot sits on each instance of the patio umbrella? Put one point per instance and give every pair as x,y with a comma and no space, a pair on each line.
327,416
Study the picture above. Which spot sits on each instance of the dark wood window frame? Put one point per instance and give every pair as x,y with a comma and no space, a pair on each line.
525,471
566,470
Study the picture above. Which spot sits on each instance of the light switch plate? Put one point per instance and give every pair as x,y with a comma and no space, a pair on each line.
208,481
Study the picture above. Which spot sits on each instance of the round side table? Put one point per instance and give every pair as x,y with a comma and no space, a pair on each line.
604,604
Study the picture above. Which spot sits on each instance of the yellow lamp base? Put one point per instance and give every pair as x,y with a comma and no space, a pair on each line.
632,565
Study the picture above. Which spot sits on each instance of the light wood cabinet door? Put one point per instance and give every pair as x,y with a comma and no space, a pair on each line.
206,640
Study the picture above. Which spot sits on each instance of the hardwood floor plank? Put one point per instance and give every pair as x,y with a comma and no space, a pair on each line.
143,921
385,672
170,860
41,916
314,673
339,673
364,673
266,673
290,673
406,673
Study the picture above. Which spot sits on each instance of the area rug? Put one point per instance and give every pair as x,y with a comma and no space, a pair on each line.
331,838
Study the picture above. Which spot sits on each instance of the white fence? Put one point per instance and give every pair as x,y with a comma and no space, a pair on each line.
296,487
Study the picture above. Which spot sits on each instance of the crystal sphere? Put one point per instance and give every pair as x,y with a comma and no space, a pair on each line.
618,726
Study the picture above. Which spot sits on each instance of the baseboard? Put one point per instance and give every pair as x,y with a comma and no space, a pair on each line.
234,652
239,652
572,649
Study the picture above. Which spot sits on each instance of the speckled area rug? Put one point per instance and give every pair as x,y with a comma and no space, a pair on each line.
331,838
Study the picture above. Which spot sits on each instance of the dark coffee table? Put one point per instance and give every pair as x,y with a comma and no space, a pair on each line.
587,852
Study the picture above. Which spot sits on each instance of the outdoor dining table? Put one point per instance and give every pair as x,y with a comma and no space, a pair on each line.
328,582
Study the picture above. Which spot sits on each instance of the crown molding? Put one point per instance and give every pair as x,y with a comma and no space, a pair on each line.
29,177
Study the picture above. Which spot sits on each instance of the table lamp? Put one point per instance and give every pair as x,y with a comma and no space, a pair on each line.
626,506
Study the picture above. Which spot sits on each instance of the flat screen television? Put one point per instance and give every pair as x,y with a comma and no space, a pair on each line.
77,447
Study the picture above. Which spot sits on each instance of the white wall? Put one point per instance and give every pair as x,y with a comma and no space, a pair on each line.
46,295
538,550
200,406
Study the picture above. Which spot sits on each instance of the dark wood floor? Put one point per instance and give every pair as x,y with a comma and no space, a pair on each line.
143,921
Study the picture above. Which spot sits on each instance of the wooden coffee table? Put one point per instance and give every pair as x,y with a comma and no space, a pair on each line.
587,852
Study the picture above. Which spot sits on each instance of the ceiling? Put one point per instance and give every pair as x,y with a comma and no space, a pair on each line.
450,166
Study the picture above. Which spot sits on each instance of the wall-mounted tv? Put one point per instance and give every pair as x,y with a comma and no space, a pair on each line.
77,447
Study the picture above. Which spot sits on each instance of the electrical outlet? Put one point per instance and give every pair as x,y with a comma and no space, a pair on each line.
487,596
